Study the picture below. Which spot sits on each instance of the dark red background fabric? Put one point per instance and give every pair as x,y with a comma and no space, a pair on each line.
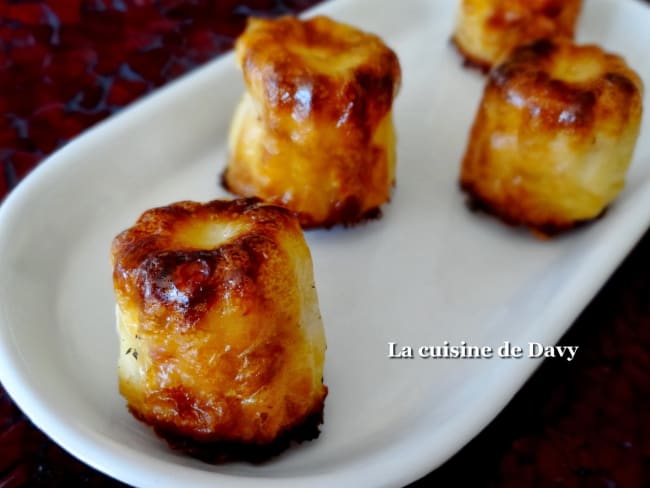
67,64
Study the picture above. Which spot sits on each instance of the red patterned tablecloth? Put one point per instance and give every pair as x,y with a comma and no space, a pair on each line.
67,64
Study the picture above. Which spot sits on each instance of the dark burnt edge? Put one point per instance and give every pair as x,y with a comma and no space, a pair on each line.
548,230
469,61
622,82
306,223
223,181
374,213
217,452
538,47
534,50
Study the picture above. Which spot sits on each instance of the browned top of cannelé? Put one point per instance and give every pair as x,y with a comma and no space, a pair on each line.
319,68
509,12
158,265
568,86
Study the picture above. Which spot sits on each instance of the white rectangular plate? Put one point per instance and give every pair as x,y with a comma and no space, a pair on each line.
427,272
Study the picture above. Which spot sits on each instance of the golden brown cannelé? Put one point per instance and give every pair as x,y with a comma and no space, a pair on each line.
554,135
221,339
487,30
314,131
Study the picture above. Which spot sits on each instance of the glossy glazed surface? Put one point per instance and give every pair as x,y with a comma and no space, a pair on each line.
314,131
486,30
554,135
221,338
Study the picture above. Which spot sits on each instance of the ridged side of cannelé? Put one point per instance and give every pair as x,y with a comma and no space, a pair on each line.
554,135
314,131
221,339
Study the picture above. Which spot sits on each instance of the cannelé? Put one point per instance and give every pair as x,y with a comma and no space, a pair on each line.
221,339
314,130
554,135
487,30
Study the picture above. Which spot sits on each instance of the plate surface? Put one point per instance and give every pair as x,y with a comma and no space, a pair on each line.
429,271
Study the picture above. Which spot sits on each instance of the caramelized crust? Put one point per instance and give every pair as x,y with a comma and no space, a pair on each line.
487,30
225,451
554,135
314,131
222,343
